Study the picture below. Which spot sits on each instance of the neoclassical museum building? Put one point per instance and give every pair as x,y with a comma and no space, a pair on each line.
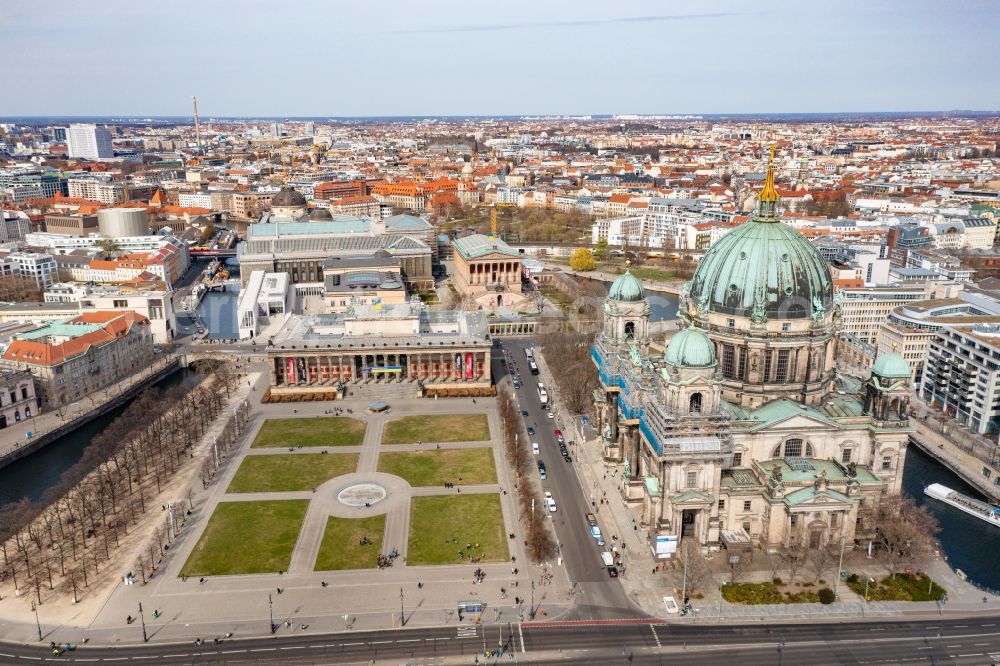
740,432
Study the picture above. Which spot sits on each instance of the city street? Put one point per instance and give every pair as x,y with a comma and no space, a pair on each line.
596,595
959,642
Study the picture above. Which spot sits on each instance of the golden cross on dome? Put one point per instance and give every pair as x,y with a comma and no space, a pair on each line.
768,192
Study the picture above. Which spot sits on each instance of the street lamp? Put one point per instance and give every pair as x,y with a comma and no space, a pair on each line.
402,619
142,621
840,567
37,623
270,610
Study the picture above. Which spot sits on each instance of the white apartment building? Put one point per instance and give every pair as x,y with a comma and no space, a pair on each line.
89,141
962,376
155,305
195,200
65,243
95,189
18,194
39,267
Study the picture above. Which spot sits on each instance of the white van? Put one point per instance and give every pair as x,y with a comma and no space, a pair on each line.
607,558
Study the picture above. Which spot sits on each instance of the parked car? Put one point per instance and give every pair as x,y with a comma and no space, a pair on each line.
534,448
612,572
524,412
557,432
550,501
531,431
541,470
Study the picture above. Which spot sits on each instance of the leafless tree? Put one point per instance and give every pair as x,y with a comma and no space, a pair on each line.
821,560
794,556
691,560
907,533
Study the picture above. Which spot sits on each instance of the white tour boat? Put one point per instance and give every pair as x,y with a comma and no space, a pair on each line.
969,505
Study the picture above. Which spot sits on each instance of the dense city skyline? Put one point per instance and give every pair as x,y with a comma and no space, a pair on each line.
381,59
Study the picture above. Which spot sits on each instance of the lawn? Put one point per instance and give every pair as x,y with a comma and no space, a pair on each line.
902,587
434,468
341,547
441,526
247,538
438,428
318,431
290,471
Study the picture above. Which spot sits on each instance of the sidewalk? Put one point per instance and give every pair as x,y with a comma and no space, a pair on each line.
351,600
960,461
14,436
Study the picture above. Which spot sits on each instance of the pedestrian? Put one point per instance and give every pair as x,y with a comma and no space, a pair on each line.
279,590
201,581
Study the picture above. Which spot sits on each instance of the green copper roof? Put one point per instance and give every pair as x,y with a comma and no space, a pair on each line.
891,365
763,269
690,348
627,288
478,245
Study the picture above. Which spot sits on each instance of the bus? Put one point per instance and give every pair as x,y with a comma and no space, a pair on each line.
543,395
533,367
528,354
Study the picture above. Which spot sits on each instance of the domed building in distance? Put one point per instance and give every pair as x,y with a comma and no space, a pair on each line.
740,433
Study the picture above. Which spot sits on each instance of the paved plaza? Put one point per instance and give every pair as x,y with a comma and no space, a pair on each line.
354,598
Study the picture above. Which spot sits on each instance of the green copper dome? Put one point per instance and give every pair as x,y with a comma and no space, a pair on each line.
763,269
690,348
892,365
627,288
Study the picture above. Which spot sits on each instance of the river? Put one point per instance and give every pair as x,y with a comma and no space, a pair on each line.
970,544
34,474
662,306
217,309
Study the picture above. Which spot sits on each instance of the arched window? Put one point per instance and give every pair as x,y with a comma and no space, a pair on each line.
792,448
694,405
629,329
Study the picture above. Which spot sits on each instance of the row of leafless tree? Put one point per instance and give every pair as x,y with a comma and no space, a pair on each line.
60,543
540,543
567,356
903,534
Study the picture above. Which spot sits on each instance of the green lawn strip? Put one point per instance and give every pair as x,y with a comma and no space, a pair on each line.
434,468
441,526
289,472
902,587
437,428
247,538
341,546
318,431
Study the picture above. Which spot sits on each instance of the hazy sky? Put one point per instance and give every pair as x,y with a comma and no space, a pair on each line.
421,57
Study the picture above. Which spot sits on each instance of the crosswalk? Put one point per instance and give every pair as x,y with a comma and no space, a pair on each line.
468,632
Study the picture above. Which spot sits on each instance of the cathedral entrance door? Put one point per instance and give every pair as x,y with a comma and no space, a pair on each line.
687,522
815,538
